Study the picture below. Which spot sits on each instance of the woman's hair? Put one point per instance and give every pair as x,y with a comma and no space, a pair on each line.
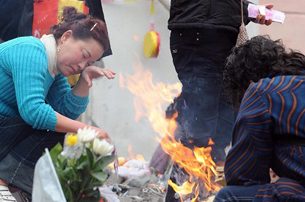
258,58
83,27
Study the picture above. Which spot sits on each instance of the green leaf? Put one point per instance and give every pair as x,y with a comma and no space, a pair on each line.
68,194
100,176
55,151
75,186
86,179
103,162
60,174
90,156
82,164
69,173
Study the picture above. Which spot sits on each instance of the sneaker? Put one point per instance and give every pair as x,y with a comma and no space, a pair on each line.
6,195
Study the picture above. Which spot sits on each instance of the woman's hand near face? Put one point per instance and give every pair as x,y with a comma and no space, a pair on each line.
94,72
85,81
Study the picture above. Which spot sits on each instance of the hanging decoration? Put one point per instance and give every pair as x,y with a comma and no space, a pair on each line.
152,38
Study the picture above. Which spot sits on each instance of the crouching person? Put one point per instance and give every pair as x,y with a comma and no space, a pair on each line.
269,131
37,105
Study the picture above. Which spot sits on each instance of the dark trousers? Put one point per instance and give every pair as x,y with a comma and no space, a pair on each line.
237,194
20,148
284,190
203,112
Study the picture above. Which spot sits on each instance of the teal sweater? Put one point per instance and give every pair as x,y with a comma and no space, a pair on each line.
28,90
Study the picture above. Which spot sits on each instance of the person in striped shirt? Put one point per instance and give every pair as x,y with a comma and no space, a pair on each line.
269,131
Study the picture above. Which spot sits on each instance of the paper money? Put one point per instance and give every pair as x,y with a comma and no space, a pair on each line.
274,15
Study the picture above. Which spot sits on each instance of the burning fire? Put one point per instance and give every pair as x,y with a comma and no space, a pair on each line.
150,101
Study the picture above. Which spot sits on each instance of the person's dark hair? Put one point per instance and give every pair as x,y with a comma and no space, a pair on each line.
258,58
83,27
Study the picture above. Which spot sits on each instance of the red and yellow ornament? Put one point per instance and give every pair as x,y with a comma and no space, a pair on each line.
151,44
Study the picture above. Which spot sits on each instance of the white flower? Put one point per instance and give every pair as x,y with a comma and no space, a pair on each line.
72,147
73,152
86,134
102,147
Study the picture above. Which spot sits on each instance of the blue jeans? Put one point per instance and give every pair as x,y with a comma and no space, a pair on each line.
237,194
20,148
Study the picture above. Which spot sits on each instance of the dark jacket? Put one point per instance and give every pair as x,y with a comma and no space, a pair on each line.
223,14
269,133
16,18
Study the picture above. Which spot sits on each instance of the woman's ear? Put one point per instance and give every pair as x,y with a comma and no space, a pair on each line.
66,35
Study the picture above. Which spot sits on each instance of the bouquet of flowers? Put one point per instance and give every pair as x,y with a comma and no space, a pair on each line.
80,165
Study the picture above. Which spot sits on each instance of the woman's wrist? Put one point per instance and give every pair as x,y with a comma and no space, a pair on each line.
81,88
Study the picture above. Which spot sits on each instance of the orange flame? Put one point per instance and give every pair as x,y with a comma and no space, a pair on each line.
185,189
150,101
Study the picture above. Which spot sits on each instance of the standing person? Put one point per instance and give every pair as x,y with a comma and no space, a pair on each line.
269,130
202,35
37,105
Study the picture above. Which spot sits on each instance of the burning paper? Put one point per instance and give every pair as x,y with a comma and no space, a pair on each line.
150,102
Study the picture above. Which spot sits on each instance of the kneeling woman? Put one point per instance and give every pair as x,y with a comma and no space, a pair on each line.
37,105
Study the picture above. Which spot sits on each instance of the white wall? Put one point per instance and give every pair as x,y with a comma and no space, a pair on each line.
112,107
253,28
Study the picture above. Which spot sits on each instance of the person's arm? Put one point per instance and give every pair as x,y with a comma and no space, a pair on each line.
248,161
64,124
72,103
63,101
28,65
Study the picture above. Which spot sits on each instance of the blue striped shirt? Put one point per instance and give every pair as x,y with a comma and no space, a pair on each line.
271,109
